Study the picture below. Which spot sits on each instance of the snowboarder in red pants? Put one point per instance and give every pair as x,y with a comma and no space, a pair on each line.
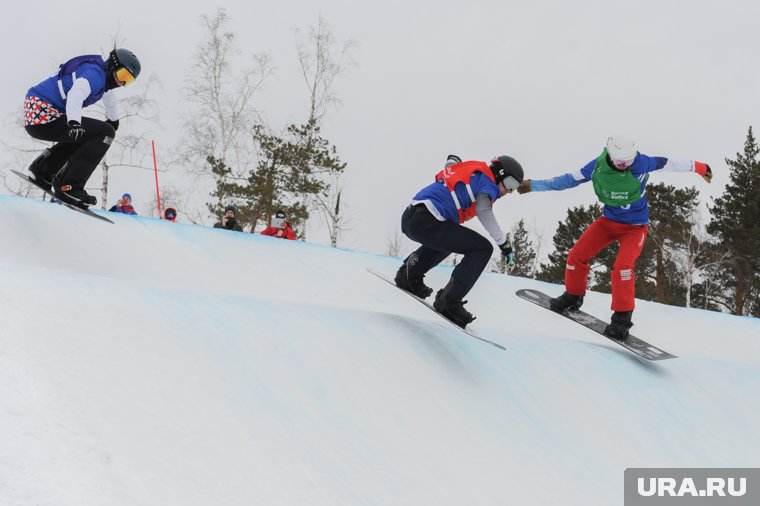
619,175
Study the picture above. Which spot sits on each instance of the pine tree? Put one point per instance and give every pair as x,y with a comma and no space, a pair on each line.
577,221
290,168
736,223
525,252
671,217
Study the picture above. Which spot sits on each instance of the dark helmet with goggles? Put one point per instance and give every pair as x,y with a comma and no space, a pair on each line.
124,64
507,170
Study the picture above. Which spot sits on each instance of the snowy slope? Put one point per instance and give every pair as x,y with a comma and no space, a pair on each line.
154,363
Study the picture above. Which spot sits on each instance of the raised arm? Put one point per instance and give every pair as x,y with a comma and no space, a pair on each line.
558,183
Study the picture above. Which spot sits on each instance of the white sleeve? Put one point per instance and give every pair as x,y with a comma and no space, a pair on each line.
484,210
678,165
111,105
78,93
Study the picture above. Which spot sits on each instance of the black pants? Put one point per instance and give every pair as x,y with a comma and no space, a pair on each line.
83,156
441,238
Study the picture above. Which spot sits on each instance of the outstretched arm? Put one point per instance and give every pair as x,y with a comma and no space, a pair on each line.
558,183
682,165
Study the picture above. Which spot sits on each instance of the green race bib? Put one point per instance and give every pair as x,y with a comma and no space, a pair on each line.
614,187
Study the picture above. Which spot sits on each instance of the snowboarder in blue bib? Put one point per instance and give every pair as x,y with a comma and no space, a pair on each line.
619,176
53,113
461,191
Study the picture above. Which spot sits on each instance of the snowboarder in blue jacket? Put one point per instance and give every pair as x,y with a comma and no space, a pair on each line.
53,112
619,176
434,218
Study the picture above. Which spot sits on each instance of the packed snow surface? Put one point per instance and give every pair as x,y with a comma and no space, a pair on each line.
154,363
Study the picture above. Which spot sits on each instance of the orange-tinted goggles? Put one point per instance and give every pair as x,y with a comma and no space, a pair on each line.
124,76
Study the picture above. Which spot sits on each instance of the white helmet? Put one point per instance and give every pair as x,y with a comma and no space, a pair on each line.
621,147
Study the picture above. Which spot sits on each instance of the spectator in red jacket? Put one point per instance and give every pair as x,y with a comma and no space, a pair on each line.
280,227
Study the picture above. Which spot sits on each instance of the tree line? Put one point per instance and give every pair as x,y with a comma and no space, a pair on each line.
685,262
259,167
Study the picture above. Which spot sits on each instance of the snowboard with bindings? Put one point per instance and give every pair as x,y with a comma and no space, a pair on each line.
82,210
632,343
467,331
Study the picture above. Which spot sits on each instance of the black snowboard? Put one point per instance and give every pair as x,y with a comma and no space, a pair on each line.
70,206
641,348
467,331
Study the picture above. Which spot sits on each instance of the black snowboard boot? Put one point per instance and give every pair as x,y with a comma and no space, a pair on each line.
71,193
619,325
566,302
40,170
411,283
451,308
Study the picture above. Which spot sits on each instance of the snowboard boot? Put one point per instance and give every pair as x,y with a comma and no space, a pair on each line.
451,308
70,192
74,196
566,302
411,283
619,325
39,169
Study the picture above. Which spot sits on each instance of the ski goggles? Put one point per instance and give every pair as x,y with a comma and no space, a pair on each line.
510,183
124,76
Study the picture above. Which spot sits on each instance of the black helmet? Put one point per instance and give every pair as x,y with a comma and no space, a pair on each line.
121,57
504,167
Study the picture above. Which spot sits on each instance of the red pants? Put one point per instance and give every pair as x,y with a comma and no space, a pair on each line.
597,236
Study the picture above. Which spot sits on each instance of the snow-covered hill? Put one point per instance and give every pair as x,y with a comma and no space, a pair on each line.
154,363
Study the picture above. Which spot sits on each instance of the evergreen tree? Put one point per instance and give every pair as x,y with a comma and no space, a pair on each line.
709,292
525,252
736,223
671,218
577,221
290,168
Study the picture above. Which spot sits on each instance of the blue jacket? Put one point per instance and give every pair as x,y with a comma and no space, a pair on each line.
636,213
55,88
440,197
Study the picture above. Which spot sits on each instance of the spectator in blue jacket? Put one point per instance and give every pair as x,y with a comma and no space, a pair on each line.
124,205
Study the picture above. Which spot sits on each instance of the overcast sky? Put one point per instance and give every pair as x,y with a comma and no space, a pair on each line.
545,82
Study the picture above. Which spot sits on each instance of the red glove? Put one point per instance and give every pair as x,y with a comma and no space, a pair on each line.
703,170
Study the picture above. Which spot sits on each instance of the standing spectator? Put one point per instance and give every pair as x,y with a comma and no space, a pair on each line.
124,205
280,227
229,220
170,214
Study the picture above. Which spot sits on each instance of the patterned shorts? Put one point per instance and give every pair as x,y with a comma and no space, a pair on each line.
39,112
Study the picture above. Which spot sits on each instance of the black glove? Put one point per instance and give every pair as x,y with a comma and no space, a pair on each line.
506,251
231,223
76,130
114,123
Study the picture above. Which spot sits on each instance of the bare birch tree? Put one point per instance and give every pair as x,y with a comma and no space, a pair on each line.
394,243
222,112
322,60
